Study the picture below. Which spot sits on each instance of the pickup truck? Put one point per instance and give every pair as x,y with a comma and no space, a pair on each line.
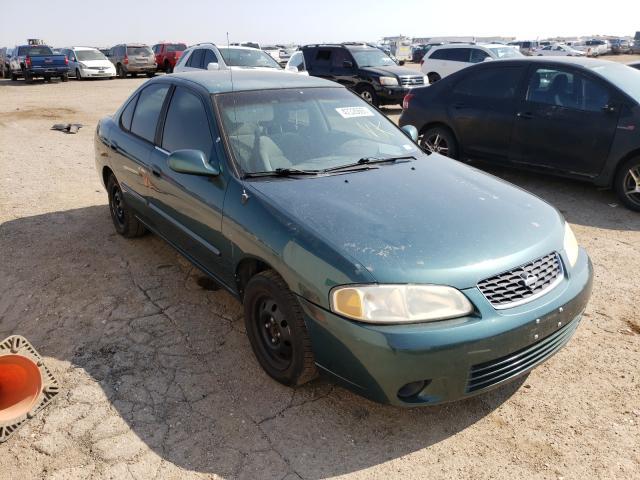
167,55
30,61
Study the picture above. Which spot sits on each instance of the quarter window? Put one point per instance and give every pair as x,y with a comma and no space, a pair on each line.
567,89
145,117
186,126
477,55
127,113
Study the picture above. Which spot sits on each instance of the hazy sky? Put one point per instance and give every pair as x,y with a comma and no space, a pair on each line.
107,22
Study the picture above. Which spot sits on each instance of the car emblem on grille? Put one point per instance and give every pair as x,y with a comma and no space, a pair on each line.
528,279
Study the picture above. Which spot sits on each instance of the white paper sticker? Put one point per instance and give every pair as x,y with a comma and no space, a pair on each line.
353,112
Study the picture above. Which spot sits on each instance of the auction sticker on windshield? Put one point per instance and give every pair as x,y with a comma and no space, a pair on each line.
353,112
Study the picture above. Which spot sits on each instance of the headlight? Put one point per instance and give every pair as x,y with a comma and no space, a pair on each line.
389,81
399,303
570,245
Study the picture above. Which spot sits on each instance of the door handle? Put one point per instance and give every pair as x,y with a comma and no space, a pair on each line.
525,115
156,172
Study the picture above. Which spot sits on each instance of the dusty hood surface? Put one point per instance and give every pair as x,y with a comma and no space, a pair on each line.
433,220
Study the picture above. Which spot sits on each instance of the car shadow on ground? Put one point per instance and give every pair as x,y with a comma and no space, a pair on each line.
172,359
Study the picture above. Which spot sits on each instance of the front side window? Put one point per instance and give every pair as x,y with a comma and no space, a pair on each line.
477,55
494,83
209,57
195,60
241,57
567,89
297,61
186,125
145,117
307,129
505,52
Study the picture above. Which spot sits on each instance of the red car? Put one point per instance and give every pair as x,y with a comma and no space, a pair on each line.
167,54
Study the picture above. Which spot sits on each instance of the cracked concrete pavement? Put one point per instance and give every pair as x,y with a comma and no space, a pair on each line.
159,380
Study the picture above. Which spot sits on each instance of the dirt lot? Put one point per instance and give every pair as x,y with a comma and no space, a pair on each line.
159,380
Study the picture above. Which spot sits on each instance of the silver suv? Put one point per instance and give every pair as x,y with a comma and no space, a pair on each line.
133,58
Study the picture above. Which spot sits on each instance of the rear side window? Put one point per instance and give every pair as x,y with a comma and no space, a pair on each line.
145,117
323,56
127,113
195,60
186,126
452,54
494,83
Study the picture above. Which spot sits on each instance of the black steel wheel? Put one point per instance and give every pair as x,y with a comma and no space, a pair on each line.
124,220
440,140
627,183
276,330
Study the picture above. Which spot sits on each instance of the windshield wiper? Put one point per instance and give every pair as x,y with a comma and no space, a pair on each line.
281,172
365,161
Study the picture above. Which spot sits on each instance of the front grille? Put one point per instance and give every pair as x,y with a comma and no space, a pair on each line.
484,375
412,81
523,283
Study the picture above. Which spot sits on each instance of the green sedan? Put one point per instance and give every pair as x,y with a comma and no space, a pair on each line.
411,279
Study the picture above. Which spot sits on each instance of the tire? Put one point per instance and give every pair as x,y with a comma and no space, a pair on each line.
64,77
151,74
120,71
78,75
440,140
134,75
627,183
433,77
28,78
368,94
167,67
276,330
14,77
124,220
47,79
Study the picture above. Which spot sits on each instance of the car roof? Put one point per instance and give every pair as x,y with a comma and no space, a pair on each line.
239,47
584,62
245,80
82,48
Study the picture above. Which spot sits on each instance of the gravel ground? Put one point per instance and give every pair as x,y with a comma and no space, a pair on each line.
159,380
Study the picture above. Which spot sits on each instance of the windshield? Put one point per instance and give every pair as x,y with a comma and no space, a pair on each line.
35,50
372,58
505,52
176,47
85,55
241,57
307,129
140,51
625,78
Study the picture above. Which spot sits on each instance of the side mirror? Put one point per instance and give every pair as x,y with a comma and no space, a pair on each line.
401,62
292,69
347,64
191,162
213,66
411,132
487,59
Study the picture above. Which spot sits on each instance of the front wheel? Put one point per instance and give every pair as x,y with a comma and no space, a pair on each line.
276,330
78,74
627,184
368,94
440,140
124,220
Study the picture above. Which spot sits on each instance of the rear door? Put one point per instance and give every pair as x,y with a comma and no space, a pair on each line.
319,62
482,107
566,121
188,208
133,144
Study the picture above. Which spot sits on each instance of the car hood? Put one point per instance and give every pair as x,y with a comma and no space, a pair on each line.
97,63
397,71
433,220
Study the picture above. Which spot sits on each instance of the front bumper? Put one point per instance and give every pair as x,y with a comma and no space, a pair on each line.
91,73
456,358
393,95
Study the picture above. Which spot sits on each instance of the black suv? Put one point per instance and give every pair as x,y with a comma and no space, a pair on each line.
366,70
